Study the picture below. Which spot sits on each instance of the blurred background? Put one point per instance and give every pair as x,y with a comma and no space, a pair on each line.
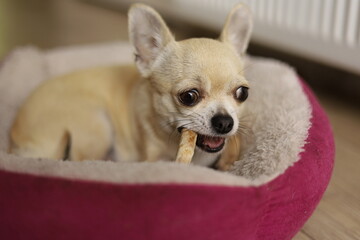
320,38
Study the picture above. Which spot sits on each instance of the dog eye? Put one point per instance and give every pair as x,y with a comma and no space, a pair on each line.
241,94
189,98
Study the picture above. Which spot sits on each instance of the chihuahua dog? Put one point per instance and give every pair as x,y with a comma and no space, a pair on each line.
137,111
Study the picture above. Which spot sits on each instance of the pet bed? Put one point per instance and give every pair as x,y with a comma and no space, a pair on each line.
268,194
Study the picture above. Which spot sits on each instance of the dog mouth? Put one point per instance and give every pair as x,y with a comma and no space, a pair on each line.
210,144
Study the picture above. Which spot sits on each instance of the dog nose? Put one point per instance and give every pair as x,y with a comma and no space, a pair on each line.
222,123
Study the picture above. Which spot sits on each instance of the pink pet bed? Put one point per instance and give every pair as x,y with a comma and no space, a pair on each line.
268,194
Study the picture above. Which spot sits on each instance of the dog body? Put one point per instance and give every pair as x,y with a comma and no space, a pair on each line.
90,110
139,110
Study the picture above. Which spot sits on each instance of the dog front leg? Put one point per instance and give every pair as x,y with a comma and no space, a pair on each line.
230,155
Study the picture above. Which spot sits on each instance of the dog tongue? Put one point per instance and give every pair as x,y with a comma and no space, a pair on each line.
213,142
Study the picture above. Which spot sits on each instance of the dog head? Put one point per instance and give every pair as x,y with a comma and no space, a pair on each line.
196,84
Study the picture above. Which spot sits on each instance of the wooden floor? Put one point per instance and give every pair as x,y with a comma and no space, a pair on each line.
338,214
51,23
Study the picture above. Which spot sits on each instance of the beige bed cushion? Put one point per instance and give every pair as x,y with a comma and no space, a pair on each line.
278,116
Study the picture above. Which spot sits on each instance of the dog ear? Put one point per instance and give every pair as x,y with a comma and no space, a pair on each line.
148,34
238,28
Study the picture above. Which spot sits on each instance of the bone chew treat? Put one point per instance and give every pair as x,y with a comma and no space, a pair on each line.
187,146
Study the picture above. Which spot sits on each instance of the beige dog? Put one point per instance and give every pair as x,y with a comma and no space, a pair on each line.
138,113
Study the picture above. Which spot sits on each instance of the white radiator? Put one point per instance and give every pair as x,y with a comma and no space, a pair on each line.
323,30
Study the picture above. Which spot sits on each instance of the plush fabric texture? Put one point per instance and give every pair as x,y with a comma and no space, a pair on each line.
44,199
